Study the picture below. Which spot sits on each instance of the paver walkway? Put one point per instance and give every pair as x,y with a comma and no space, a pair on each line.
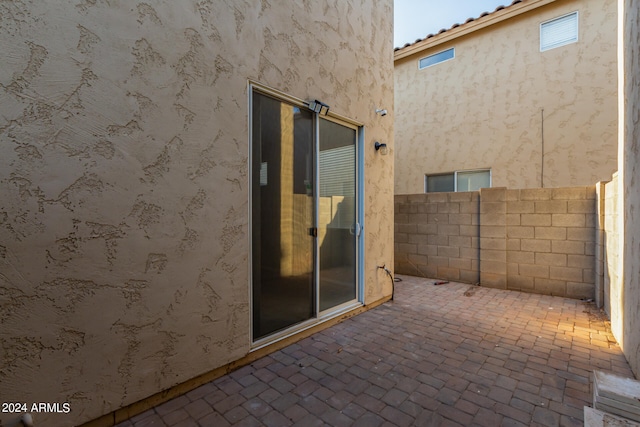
445,355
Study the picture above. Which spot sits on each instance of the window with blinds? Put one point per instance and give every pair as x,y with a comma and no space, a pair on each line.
559,32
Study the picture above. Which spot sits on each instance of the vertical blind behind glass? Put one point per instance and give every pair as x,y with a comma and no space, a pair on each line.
559,32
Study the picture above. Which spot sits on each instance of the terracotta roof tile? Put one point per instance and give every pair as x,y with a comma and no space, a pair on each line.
444,30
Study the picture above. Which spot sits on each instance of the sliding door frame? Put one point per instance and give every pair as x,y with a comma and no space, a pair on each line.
332,312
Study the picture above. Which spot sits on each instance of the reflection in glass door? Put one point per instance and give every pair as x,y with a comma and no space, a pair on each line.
282,215
303,215
337,225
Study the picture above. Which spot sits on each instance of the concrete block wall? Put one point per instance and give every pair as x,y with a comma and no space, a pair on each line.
612,280
436,235
600,253
493,237
551,239
533,240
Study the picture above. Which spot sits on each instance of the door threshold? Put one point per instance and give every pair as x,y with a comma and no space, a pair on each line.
308,324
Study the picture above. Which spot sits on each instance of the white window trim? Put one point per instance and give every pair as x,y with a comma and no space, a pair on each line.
575,12
455,178
439,62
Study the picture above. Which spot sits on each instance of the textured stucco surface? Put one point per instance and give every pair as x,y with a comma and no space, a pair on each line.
630,157
622,197
484,108
124,239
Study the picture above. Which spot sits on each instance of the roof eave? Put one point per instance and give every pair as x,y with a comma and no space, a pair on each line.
470,27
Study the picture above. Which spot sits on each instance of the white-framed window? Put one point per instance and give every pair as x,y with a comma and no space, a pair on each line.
306,186
559,31
457,181
436,58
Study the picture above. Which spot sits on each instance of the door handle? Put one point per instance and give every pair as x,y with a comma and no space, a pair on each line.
313,231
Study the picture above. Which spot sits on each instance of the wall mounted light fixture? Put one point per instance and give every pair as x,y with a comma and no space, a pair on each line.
381,111
318,107
381,147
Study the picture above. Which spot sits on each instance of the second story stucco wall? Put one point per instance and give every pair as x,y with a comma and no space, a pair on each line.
501,99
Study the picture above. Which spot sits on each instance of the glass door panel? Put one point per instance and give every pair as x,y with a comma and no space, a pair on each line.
337,226
283,215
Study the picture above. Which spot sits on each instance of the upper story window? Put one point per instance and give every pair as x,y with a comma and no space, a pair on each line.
559,32
436,58
458,181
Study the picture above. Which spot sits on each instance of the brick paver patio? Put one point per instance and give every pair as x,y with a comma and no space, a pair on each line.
448,355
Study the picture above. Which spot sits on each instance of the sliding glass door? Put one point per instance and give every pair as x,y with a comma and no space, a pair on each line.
304,215
337,229
283,215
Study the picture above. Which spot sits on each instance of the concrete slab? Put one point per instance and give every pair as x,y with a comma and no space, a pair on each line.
616,395
596,418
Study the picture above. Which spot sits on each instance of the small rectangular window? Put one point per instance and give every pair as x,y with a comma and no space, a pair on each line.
436,58
458,181
559,32
440,183
473,180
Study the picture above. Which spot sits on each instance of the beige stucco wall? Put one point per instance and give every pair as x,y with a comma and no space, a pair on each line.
483,109
622,197
630,174
124,240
